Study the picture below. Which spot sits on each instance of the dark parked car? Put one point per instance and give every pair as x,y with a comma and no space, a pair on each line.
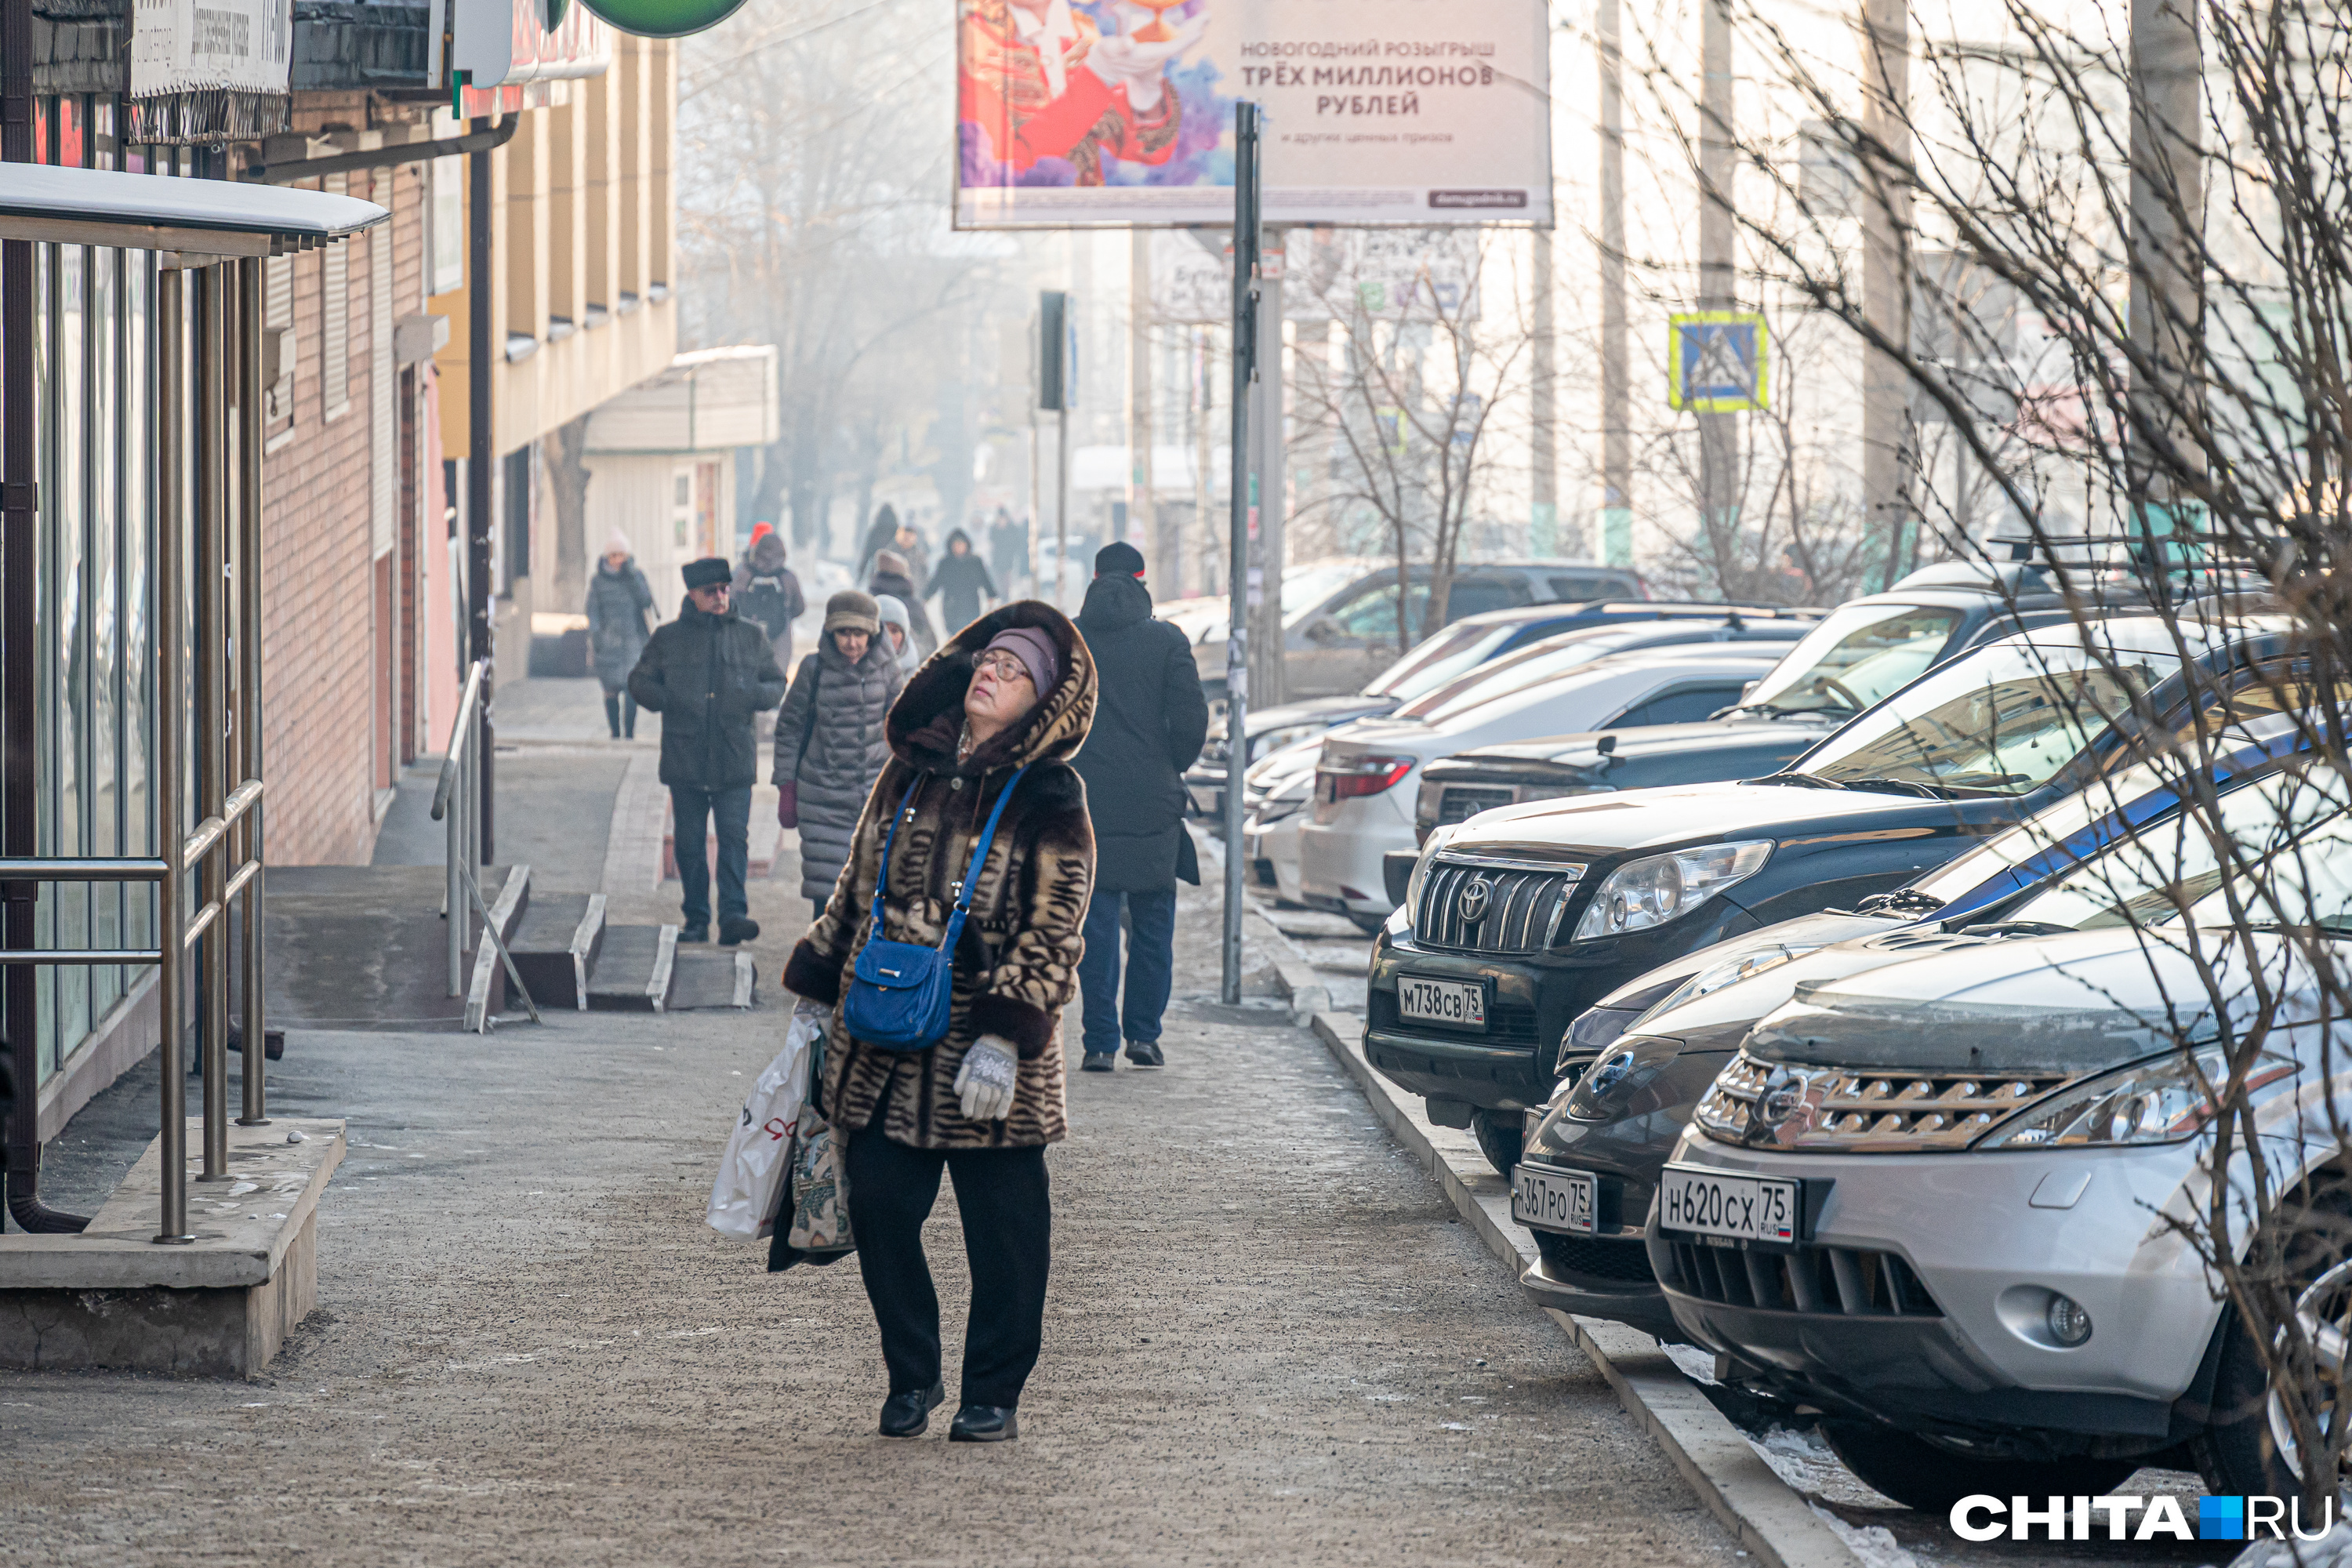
1339,617
1463,647
1520,918
1593,1154
1862,650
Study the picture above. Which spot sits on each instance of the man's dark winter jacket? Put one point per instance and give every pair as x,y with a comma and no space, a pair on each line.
1148,729
706,676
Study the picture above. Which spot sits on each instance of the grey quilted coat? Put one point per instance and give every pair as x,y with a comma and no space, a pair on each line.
846,749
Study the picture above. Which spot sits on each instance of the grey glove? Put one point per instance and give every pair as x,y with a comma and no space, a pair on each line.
986,1079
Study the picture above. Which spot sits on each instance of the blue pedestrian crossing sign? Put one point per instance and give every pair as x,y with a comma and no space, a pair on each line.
1715,361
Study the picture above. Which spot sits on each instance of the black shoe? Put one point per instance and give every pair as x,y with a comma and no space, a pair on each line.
985,1424
1099,1061
909,1415
694,934
740,928
1145,1054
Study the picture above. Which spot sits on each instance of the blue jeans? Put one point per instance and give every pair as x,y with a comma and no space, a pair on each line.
1150,967
728,812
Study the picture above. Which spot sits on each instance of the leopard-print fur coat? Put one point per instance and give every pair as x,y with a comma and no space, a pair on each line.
1017,965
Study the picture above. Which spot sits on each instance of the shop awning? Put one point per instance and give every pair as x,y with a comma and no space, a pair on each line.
151,212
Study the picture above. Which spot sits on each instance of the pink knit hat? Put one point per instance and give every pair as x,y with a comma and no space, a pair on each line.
1035,651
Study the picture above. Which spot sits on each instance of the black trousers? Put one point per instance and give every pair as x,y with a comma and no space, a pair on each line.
1008,1222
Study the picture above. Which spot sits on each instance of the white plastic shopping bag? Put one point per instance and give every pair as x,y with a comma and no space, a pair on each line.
752,1172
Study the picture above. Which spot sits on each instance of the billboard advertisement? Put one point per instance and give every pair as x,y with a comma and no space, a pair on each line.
1382,112
1328,274
234,45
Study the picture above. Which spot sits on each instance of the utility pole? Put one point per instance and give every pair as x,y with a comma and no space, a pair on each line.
1245,322
1543,499
1142,513
1269,681
2166,323
1718,434
1616,380
481,466
1887,439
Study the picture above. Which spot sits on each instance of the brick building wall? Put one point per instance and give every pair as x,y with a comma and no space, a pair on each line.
324,682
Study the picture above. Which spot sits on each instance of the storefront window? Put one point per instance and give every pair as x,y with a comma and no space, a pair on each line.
93,366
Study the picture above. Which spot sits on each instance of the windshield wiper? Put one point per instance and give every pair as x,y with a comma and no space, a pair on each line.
1921,788
1774,711
1902,901
2340,930
1810,781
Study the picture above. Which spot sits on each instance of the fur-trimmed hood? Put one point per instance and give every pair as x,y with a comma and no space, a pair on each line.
928,715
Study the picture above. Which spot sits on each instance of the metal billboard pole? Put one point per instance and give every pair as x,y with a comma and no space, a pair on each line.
1246,302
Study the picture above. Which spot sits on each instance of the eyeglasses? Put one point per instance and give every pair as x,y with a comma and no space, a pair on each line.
1006,665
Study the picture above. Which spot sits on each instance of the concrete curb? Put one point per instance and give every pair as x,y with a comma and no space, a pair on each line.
1729,1476
1294,979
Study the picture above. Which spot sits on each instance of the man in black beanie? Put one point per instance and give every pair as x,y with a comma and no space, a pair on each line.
1149,724
708,673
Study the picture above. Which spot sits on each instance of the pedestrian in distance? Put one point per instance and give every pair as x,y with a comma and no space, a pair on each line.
990,723
898,631
1153,723
619,601
915,552
829,736
881,536
709,674
962,582
891,577
1008,547
768,592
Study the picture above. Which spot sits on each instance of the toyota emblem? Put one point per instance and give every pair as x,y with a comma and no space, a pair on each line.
1471,905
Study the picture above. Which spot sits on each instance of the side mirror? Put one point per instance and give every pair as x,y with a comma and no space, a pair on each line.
1323,630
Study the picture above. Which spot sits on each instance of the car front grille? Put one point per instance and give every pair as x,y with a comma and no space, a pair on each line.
1474,906
1460,803
1835,1281
1860,1110
1622,1262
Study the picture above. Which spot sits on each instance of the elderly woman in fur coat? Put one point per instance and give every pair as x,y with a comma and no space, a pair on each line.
1002,707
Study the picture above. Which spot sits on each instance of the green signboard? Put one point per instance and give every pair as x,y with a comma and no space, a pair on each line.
663,18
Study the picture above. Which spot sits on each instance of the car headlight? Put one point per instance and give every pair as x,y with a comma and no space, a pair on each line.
1659,888
2155,1102
1730,972
1438,840
1612,1088
1273,741
1275,808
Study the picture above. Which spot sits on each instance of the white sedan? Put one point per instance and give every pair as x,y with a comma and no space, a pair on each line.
1280,786
1367,775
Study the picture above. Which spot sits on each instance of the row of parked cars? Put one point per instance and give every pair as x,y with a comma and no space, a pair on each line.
1840,1031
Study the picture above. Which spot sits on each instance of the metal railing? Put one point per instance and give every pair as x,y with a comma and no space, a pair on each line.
461,786
212,711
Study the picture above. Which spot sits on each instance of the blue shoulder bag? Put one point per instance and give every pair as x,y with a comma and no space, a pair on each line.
899,993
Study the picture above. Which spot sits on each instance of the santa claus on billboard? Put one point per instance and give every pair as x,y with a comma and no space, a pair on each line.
1040,81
